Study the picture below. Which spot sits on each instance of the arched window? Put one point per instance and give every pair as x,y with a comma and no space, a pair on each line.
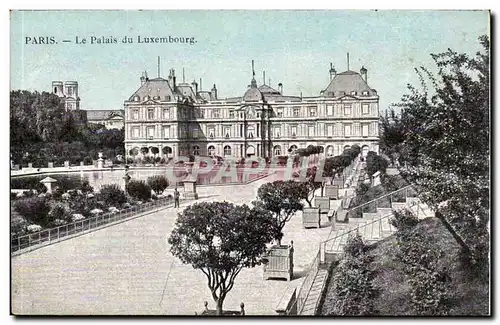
292,148
227,151
196,150
211,150
277,150
250,131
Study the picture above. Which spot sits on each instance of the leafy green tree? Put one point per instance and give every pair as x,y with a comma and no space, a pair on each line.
446,150
158,183
283,200
375,163
220,239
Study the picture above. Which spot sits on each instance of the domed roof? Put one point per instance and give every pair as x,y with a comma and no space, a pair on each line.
253,95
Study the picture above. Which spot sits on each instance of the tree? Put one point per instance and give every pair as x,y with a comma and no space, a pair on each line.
312,184
392,134
446,145
158,183
220,239
283,200
375,163
35,210
333,166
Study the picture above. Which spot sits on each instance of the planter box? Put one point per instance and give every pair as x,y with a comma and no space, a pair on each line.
339,181
332,191
280,262
311,218
323,203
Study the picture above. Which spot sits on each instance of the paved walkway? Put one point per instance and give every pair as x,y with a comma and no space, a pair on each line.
127,269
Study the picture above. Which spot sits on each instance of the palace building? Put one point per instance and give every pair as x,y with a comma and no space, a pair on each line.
171,119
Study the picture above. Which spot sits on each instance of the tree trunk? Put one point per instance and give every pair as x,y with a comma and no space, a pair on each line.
455,235
218,309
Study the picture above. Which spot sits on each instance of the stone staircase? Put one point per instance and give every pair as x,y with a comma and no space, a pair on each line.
372,227
311,303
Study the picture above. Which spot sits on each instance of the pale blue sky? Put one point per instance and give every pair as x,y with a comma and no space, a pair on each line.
293,47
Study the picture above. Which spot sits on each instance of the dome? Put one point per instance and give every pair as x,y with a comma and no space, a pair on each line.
253,95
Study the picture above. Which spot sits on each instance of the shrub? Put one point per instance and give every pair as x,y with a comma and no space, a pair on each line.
87,160
403,220
139,190
85,187
353,282
59,212
112,195
34,209
158,183
429,286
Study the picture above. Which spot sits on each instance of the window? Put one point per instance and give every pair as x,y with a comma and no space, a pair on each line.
151,132
216,113
194,132
277,150
366,108
70,106
354,93
296,112
227,131
329,130
347,109
196,150
331,94
279,112
135,132
365,130
211,132
167,98
347,130
365,93
166,132
258,130
231,114
151,113
227,151
277,132
312,111
310,131
293,131
137,98
166,113
329,110
70,91
135,114
250,131
211,151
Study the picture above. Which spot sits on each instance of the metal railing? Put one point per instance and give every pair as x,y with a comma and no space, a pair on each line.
393,197
399,195
48,236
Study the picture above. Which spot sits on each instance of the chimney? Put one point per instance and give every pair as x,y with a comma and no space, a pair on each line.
174,80
143,79
200,85
364,73
333,72
214,93
280,88
195,86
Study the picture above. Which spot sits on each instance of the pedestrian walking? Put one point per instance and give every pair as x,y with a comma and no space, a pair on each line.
176,198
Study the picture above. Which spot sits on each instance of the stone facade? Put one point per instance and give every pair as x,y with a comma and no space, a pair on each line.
180,119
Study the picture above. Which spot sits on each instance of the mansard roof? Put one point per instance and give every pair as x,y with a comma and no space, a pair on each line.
347,82
154,88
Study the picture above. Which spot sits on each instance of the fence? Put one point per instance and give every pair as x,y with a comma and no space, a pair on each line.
47,236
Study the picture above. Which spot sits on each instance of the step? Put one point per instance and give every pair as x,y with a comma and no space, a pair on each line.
384,211
386,226
376,229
